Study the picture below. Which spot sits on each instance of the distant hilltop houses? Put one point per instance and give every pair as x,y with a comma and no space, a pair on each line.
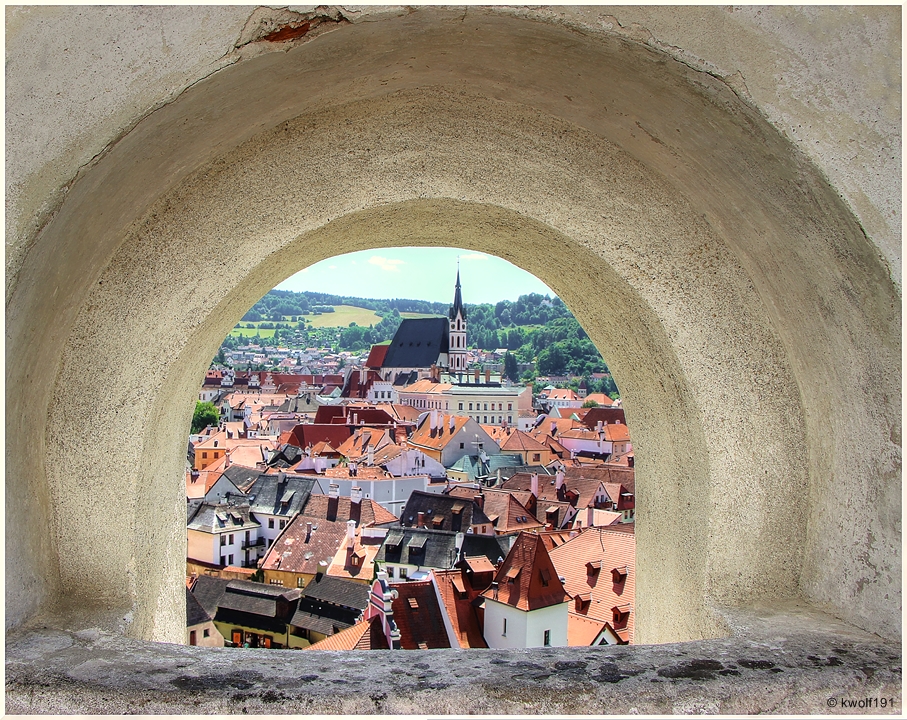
407,498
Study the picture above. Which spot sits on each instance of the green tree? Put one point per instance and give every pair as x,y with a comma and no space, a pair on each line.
205,414
510,367
589,404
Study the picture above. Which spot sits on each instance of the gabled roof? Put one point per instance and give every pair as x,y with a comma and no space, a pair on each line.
442,512
356,446
417,343
349,639
337,591
562,394
608,549
208,591
517,440
252,598
222,518
527,579
241,476
436,548
474,466
439,438
195,613
280,494
304,435
341,509
507,514
604,415
418,616
457,597
298,551
376,355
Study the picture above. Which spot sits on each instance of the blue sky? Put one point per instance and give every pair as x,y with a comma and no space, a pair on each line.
417,273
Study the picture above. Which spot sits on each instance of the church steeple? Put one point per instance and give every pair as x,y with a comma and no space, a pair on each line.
457,306
457,335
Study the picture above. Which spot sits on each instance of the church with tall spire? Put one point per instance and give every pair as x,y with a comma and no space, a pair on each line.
457,334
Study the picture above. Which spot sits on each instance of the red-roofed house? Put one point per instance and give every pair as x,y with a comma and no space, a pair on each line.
418,616
599,569
526,605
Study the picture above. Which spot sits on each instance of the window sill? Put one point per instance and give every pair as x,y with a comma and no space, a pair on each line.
790,660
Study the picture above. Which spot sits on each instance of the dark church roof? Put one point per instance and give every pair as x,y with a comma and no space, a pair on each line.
417,343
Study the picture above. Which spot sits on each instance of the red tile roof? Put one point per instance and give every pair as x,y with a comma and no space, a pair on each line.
527,579
457,597
376,356
304,435
425,437
347,639
341,509
418,616
297,551
610,549
517,440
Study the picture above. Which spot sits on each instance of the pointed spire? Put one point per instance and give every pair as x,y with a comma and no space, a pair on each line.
458,299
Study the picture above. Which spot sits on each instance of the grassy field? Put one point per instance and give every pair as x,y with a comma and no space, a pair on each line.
416,315
343,315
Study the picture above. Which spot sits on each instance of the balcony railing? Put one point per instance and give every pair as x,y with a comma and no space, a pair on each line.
259,542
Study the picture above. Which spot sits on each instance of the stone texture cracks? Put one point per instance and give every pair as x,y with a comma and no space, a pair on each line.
790,670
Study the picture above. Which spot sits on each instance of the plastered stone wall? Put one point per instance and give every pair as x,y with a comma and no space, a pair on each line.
753,327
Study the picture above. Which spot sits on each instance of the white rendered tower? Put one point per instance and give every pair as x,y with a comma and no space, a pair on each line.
457,336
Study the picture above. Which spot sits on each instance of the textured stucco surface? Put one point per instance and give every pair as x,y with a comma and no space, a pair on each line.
789,662
734,295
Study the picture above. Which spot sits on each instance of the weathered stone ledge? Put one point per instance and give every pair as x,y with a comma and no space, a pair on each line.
790,660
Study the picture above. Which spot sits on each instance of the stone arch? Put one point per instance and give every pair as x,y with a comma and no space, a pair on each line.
674,203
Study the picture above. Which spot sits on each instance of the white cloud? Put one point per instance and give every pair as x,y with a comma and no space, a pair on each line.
386,263
474,256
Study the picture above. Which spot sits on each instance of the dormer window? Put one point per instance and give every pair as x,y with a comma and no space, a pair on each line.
620,614
619,574
582,600
593,567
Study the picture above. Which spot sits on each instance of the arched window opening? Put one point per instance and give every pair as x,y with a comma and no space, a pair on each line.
339,482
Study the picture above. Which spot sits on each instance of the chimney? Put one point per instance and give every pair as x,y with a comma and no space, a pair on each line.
334,490
308,531
553,428
559,480
598,426
591,517
351,533
371,454
487,375
534,484
355,418
433,420
362,376
356,495
452,423
477,375
480,500
420,520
